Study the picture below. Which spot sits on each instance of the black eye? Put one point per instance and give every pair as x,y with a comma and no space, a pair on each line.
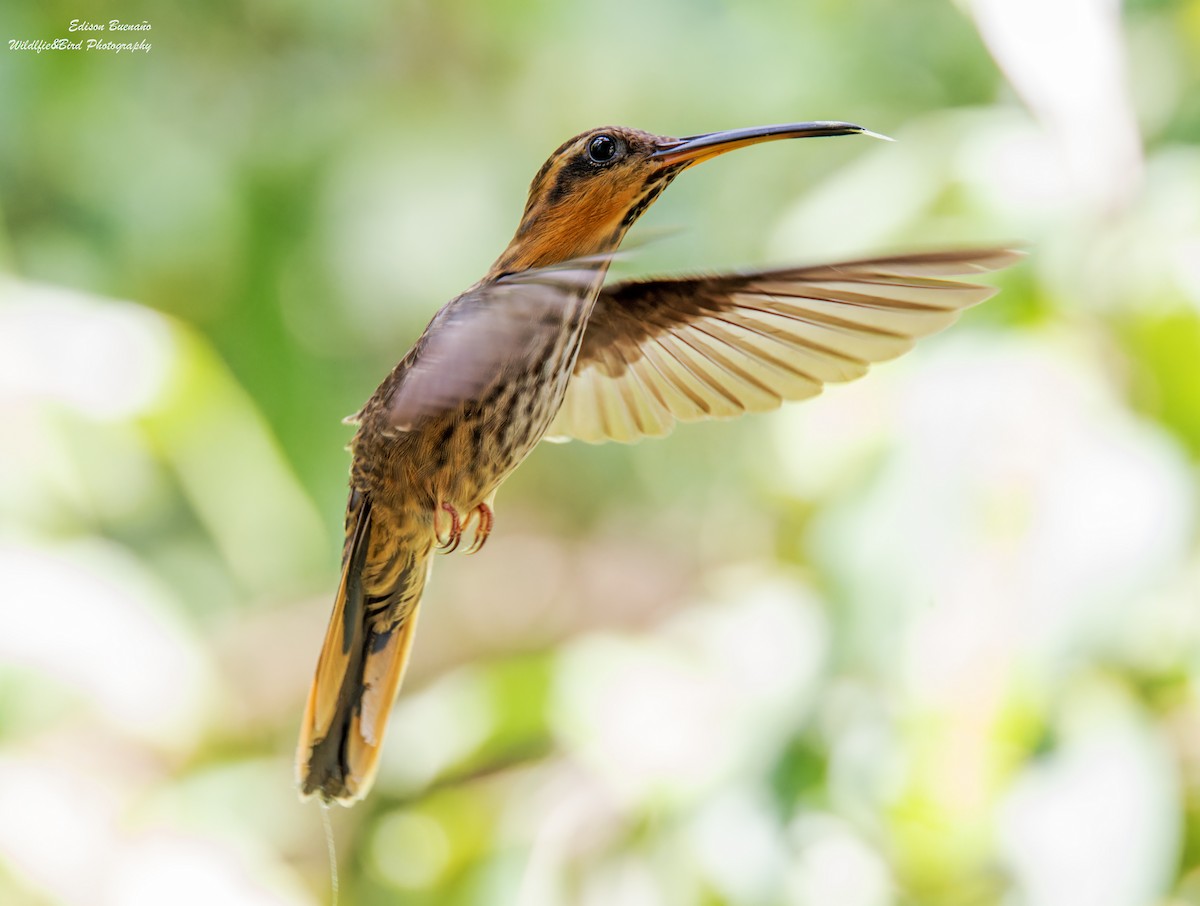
602,149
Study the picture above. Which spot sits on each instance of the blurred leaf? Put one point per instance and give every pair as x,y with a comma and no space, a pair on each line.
1164,351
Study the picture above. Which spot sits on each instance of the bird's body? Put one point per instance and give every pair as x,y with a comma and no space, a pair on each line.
412,475
540,344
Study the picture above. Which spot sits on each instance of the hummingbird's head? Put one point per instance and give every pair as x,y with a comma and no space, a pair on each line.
592,189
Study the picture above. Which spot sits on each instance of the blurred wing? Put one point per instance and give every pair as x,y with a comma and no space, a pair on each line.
661,351
477,338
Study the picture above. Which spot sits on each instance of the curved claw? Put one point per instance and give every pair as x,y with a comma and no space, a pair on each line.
450,544
486,520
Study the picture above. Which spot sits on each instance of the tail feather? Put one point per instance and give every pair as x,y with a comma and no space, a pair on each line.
361,664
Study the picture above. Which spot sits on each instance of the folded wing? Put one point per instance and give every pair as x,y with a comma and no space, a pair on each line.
476,340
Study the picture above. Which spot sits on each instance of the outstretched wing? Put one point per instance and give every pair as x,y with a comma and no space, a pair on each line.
661,351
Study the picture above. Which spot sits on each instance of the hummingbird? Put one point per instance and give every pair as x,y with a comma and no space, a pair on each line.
541,347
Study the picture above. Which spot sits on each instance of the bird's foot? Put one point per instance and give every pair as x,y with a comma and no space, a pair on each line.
486,520
449,543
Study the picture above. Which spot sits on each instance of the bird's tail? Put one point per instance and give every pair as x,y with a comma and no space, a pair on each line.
363,658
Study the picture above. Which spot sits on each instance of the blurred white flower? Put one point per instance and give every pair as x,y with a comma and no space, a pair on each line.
58,826
1066,59
111,363
89,618
645,717
710,693
168,867
146,393
1022,525
833,865
1095,823
737,845
629,881
65,831
1021,510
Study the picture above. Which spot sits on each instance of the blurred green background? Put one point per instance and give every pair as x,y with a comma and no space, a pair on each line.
932,639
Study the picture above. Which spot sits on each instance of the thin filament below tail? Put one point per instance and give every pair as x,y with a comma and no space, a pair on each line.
331,849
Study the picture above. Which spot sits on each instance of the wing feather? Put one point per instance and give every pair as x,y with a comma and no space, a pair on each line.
661,351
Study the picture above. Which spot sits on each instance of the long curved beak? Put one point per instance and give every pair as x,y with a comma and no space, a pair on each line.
696,148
